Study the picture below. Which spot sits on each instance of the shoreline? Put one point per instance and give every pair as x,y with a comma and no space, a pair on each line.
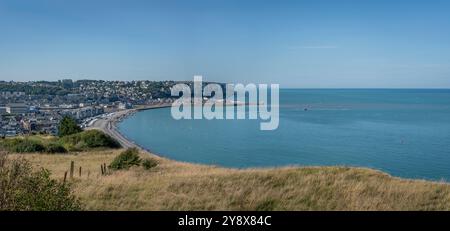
109,125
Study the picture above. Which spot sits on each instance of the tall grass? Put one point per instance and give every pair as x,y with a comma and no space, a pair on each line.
173,185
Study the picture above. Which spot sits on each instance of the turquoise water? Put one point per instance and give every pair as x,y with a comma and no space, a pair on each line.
403,132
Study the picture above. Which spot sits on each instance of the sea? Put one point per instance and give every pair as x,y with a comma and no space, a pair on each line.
404,132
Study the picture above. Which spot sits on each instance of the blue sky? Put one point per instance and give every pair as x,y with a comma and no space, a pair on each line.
310,44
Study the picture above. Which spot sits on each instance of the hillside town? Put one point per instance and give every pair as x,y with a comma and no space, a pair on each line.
38,106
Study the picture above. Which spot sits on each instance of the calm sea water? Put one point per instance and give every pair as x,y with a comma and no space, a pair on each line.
403,132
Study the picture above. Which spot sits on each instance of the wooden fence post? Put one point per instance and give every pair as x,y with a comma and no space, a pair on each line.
79,173
65,177
72,166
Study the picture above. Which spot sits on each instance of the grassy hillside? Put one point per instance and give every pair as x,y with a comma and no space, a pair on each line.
173,185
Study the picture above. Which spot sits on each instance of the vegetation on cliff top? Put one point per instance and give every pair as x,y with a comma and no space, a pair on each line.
173,185
82,141
87,140
24,189
130,158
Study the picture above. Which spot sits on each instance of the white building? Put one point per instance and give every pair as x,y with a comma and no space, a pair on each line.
83,113
17,108
123,106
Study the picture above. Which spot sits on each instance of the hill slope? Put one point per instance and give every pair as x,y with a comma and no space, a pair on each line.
181,186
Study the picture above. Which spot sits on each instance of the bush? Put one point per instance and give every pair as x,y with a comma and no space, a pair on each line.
23,189
55,148
29,146
149,163
26,145
68,126
89,139
96,138
76,142
126,159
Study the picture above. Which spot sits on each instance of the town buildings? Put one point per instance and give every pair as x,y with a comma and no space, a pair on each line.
17,108
38,106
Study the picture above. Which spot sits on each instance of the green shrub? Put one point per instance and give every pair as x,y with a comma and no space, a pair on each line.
31,144
76,142
89,139
26,145
96,138
126,159
68,126
149,163
54,147
23,189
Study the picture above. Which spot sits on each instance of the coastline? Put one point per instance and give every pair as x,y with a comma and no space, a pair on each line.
108,125
167,186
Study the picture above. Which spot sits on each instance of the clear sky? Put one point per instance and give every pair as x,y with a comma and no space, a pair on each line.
343,44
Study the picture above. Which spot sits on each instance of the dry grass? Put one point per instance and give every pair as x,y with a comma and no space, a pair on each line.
181,186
